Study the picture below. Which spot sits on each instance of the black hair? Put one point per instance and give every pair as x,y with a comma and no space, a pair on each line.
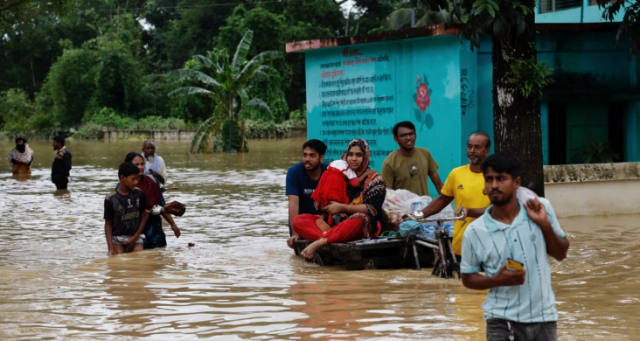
485,135
316,145
131,156
21,139
403,124
126,169
59,139
503,162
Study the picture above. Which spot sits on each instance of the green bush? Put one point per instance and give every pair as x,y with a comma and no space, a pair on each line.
296,124
15,110
299,114
266,130
90,131
109,119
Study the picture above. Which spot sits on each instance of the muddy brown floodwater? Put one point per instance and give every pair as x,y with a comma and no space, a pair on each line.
240,281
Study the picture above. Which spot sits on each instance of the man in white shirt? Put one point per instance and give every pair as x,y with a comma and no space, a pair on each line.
154,164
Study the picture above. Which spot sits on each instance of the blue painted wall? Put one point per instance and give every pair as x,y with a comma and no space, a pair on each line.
583,64
485,89
586,14
344,103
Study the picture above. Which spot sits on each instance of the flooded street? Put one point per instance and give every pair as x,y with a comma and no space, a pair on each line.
241,281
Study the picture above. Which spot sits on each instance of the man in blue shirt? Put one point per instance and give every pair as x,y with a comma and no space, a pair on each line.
520,304
302,181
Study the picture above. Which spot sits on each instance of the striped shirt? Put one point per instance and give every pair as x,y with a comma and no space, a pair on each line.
488,243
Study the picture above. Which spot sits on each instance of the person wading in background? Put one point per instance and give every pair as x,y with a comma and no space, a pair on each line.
61,168
21,157
154,165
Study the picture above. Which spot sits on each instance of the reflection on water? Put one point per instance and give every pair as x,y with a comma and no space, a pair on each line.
240,281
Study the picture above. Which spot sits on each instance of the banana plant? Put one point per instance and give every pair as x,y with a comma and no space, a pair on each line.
227,82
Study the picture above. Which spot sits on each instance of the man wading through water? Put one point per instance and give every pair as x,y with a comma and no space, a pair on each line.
154,164
60,170
520,304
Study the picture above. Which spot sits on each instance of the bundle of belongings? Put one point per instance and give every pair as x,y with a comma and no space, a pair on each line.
399,202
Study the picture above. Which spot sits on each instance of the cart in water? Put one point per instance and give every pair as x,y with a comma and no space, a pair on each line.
394,252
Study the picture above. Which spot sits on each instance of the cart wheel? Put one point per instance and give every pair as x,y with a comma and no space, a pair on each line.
317,259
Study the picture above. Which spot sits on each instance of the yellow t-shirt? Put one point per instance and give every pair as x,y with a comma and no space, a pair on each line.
467,188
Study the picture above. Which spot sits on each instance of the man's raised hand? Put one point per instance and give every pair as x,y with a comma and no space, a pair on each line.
537,212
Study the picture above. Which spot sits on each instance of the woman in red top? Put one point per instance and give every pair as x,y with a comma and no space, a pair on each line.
366,217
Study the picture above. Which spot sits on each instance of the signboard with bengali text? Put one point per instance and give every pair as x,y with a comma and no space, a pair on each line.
362,91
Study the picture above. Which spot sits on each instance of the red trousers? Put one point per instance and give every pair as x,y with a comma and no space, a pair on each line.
348,230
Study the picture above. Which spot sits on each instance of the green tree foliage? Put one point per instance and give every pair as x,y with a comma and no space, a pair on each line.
103,72
77,59
227,81
630,23
29,48
16,11
15,110
275,25
424,15
516,74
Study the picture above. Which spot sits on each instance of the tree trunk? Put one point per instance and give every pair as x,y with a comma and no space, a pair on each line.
516,119
33,75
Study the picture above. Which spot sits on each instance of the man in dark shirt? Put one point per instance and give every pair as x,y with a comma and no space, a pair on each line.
302,181
61,164
124,213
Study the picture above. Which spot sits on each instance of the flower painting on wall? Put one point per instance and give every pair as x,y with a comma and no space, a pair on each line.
422,98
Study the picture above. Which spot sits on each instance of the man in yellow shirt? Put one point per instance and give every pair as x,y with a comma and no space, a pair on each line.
466,185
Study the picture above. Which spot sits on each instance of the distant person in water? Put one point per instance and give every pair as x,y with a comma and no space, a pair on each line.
154,164
124,212
21,157
61,168
154,235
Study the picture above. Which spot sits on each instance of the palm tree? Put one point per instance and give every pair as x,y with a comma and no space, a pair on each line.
227,82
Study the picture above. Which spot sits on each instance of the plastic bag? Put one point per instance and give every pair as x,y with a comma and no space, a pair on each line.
394,204
524,194
417,203
410,226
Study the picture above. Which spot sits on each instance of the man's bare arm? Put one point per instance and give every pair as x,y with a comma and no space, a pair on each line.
556,246
471,212
108,234
294,201
172,223
437,205
504,278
